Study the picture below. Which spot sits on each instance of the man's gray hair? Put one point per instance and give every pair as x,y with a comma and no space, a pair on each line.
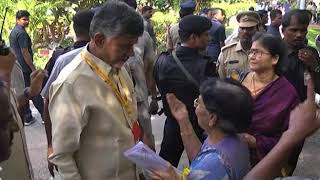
116,18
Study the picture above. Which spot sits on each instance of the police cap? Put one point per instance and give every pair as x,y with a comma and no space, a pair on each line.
194,24
248,19
188,4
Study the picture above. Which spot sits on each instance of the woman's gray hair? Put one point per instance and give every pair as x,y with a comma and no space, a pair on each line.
230,101
116,18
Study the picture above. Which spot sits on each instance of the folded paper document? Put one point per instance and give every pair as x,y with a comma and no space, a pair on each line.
145,158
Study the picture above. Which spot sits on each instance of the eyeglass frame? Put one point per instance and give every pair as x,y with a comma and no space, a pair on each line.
257,53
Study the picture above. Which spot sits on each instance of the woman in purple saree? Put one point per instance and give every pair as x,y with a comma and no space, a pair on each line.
274,97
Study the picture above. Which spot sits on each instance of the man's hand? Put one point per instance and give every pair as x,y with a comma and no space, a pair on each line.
308,57
37,77
50,165
153,108
249,139
178,109
146,140
304,119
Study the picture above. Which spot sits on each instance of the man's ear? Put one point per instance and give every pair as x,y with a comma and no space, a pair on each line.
99,39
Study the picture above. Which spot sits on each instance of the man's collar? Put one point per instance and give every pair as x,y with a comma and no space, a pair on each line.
79,44
21,27
106,67
290,51
187,50
239,47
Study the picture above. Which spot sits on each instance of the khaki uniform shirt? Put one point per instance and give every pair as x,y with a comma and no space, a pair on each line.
18,166
90,128
173,37
232,61
233,38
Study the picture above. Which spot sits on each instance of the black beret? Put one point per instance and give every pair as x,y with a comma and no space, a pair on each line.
194,24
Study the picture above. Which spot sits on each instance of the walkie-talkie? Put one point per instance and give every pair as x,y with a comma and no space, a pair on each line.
4,50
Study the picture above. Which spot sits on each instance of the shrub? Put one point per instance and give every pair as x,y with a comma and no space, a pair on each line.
162,20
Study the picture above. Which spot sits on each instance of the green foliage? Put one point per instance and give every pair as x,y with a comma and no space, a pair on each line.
161,22
233,8
163,19
50,21
39,62
312,34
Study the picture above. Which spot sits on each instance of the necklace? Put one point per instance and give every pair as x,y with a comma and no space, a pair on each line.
255,90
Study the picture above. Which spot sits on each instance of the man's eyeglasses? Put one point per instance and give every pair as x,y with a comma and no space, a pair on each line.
257,53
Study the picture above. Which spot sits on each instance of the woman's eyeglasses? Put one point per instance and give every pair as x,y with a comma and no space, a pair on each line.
257,53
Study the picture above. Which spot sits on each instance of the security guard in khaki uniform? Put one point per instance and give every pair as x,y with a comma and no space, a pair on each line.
233,59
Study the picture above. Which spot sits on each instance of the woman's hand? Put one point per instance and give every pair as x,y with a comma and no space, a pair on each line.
169,174
251,140
178,109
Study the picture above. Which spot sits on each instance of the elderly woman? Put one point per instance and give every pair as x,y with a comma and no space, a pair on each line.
223,154
7,124
274,97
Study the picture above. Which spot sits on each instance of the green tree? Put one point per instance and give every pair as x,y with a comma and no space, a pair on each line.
50,20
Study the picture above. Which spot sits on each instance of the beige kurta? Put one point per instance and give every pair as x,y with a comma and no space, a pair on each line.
232,61
18,166
90,128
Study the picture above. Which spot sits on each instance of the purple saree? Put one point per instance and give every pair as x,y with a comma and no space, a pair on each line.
271,116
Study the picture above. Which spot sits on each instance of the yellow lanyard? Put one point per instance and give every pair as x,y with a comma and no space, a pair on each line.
121,98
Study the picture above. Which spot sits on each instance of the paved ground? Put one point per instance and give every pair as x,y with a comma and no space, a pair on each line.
308,165
37,144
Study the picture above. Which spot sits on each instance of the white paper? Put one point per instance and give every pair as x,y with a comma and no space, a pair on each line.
145,158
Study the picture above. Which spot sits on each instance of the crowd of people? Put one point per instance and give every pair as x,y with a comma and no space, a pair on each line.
240,106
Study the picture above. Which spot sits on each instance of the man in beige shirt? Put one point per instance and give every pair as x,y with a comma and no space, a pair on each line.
233,59
92,103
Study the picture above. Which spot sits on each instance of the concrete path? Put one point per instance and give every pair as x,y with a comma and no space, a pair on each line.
37,144
308,165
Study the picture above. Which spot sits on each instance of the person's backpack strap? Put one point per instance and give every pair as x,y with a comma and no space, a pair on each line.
184,70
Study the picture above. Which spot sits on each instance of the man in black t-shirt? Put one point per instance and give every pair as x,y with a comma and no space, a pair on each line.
21,44
193,32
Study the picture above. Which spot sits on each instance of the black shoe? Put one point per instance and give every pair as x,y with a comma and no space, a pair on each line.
29,121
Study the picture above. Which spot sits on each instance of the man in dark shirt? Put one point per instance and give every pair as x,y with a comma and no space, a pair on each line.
61,58
147,12
300,59
21,44
193,31
217,33
276,18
